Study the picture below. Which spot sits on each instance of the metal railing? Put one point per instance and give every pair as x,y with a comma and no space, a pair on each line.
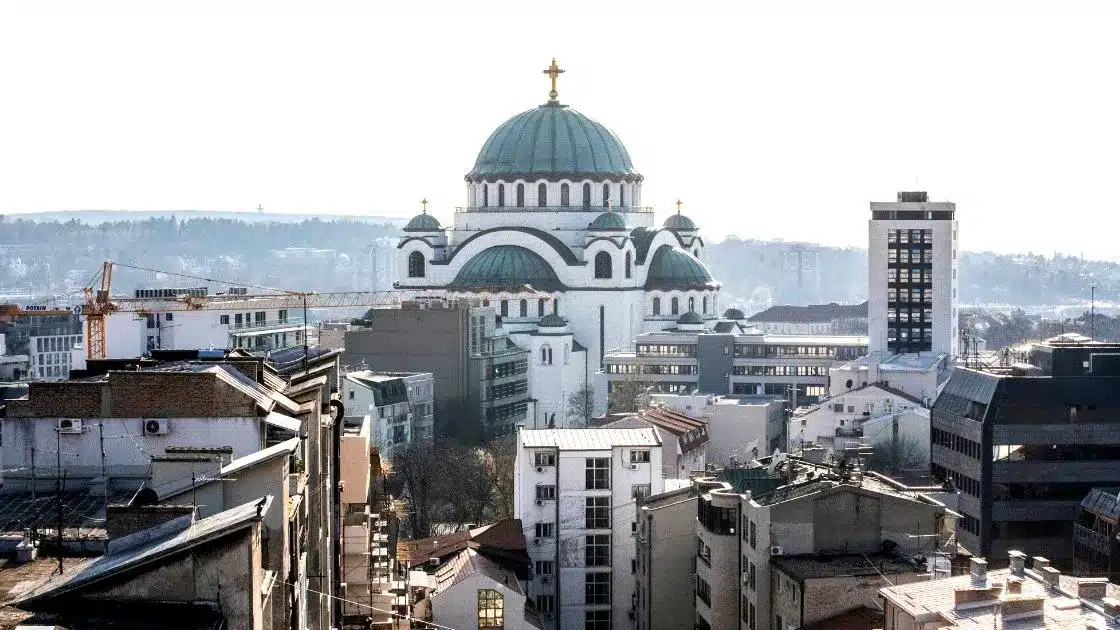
571,208
1093,540
267,323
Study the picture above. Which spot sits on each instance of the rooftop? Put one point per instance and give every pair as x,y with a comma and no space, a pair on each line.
469,562
1103,502
691,432
804,478
920,362
505,535
810,314
814,566
588,439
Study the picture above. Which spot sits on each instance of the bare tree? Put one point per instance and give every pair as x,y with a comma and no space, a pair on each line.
906,453
624,394
581,406
421,483
502,455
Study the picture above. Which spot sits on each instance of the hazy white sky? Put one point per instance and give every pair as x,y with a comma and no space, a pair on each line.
776,120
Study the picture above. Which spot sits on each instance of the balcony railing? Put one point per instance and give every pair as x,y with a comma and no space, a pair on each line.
1088,538
266,324
571,208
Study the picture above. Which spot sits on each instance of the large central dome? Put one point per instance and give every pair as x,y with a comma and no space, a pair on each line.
552,142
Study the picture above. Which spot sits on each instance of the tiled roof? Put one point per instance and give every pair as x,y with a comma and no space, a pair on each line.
810,314
505,535
469,562
690,432
589,439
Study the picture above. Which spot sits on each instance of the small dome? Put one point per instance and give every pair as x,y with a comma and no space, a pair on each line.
423,223
607,222
679,223
552,141
734,313
690,318
552,320
506,268
674,268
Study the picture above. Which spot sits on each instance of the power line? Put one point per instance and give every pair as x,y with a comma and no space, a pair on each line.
388,612
192,277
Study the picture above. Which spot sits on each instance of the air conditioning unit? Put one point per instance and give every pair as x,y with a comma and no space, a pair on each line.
540,468
536,541
433,561
540,502
69,425
156,427
776,550
633,466
545,579
745,578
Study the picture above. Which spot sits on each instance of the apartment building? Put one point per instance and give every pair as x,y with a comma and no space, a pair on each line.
740,428
1025,448
684,439
574,492
53,356
1015,598
400,404
45,335
729,359
815,319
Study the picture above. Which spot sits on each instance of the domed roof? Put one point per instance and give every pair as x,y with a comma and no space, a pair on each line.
607,222
506,267
552,141
674,268
690,318
680,223
423,223
552,320
734,313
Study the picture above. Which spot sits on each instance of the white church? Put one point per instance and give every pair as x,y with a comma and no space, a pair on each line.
555,238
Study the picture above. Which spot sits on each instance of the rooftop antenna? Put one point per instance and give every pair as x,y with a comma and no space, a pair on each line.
260,208
1093,312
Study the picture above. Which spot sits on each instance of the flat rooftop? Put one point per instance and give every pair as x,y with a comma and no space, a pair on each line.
815,566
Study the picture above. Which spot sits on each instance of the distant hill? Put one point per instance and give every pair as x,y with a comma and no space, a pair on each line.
95,217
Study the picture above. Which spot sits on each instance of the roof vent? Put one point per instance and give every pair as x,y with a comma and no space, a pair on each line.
1014,586
978,569
1019,607
1018,562
1092,588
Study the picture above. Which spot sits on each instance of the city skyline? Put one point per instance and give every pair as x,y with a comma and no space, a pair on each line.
750,120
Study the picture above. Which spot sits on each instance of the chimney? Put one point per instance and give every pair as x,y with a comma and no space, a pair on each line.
978,568
1040,563
1092,588
1050,575
1014,586
1018,562
1019,607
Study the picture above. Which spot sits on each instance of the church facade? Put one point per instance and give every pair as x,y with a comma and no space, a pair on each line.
555,238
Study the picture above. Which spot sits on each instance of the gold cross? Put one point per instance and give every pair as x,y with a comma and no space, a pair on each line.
424,203
553,71
678,206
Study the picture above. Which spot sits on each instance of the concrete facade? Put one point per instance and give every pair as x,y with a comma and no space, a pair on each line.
665,547
739,427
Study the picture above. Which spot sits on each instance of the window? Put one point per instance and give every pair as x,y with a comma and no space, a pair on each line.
546,493
598,473
597,513
597,589
237,319
543,530
505,308
628,258
556,306
704,552
705,305
223,319
753,535
416,265
501,195
675,307
703,591
524,308
602,265
752,576
640,491
587,196
778,622
351,395
750,617
542,195
546,355
486,194
606,194
656,305
540,307
639,457
543,567
691,305
597,620
546,604
490,609
521,195
622,195
597,553
564,195
544,459
168,317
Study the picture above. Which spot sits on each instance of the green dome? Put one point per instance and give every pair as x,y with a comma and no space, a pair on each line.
607,222
552,141
423,223
674,268
734,313
680,223
552,320
690,318
508,268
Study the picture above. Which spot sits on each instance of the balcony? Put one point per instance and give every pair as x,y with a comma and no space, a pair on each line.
569,208
1088,539
267,325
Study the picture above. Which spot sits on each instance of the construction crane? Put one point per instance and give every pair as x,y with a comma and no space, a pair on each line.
99,304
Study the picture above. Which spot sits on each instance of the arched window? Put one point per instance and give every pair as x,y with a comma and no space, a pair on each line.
656,306
627,264
521,195
485,195
696,252
621,195
602,265
486,302
675,306
546,355
501,195
542,195
416,265
564,195
705,305
566,354
586,195
691,305
556,306
505,308
524,308
540,307
606,193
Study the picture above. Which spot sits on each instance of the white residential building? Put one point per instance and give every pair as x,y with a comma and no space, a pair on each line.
740,428
400,405
684,439
865,412
574,492
473,591
52,356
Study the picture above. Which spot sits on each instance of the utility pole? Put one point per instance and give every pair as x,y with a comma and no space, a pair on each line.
1093,312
